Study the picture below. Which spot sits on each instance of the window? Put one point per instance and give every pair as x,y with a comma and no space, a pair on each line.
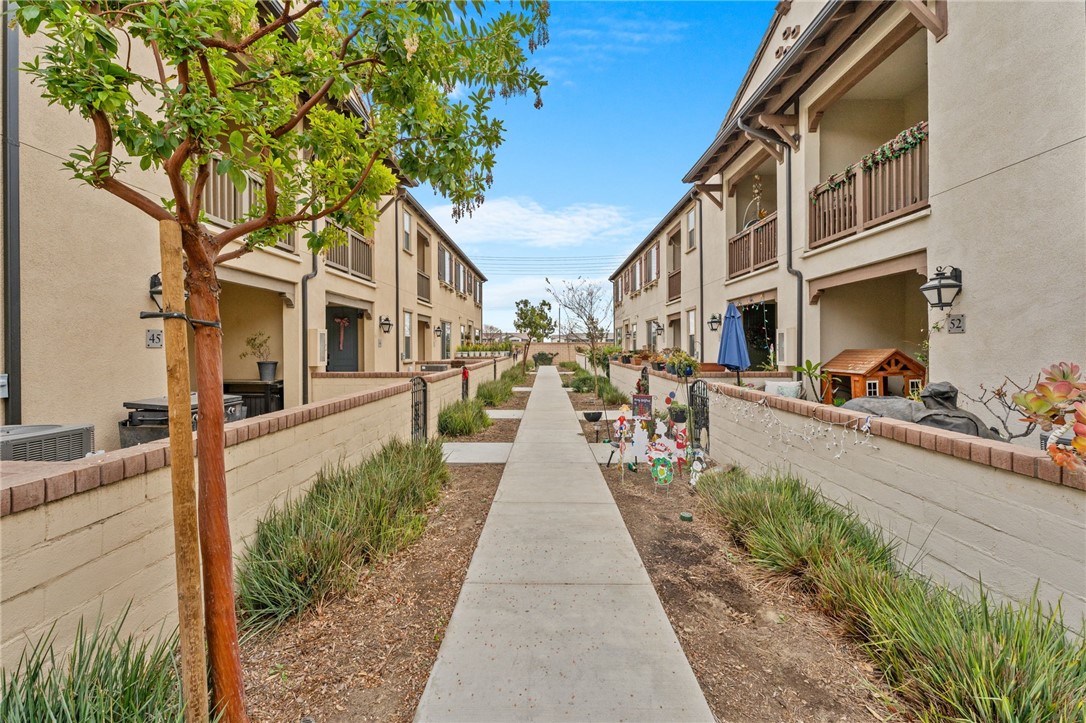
459,277
692,330
650,266
637,275
650,333
407,335
872,387
446,339
406,231
691,230
914,386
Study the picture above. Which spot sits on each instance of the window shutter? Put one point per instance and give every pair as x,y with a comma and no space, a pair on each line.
656,251
441,262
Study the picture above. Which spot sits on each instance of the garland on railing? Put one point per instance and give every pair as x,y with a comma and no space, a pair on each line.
901,144
905,141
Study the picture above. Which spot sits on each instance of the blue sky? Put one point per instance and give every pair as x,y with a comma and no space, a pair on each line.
637,90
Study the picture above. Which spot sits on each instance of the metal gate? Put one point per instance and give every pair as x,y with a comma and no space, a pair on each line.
644,385
699,414
418,409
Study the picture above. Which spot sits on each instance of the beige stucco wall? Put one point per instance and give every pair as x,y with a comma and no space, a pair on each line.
102,548
1008,186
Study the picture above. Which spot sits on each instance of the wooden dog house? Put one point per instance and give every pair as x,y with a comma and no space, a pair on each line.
864,372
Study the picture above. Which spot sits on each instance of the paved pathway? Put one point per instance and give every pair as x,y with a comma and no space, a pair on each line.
557,618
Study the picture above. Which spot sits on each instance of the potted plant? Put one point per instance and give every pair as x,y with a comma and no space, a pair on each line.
259,346
677,412
658,361
683,364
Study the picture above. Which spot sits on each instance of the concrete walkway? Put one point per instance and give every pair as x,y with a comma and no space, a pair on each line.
557,618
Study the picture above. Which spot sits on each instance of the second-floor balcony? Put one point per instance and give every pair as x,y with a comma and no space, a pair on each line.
674,285
754,248
354,257
887,184
424,286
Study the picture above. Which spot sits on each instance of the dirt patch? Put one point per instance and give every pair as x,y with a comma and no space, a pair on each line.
586,401
758,651
367,657
502,430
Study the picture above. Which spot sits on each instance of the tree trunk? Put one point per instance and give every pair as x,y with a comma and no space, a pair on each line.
215,545
524,362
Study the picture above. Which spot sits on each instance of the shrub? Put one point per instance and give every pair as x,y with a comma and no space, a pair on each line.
312,547
569,366
463,417
514,375
105,677
612,396
495,393
542,358
587,382
951,658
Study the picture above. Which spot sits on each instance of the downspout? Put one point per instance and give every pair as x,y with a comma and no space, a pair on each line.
399,311
788,229
305,323
701,281
13,413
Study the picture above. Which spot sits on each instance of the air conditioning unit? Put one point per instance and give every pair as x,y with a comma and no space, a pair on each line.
46,442
318,347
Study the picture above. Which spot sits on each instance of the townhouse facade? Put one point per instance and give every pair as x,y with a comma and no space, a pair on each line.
872,147
80,265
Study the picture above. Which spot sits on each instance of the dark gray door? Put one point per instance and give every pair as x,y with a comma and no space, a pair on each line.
342,324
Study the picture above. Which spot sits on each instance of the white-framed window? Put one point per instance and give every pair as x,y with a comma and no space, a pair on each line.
406,231
650,333
460,277
407,335
650,264
872,387
637,275
692,331
691,230
914,386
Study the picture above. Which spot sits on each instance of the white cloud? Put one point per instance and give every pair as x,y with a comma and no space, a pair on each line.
525,222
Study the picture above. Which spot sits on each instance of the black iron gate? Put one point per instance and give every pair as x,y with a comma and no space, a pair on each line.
644,385
699,415
418,409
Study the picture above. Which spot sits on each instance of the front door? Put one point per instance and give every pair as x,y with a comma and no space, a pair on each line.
342,325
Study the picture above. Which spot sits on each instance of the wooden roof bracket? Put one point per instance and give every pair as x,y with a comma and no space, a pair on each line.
770,147
707,190
934,20
777,122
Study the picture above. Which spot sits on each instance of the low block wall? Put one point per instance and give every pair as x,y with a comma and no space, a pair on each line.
83,537
965,508
562,351
329,385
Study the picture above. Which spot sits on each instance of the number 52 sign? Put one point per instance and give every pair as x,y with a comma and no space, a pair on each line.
955,324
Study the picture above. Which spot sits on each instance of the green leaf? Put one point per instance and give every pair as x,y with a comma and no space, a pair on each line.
238,178
237,142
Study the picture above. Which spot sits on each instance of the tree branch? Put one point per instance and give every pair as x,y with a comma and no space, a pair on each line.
303,109
283,20
235,254
196,200
158,62
103,147
208,76
173,167
301,217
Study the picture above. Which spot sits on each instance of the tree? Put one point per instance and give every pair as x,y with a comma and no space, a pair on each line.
317,109
588,303
491,333
535,321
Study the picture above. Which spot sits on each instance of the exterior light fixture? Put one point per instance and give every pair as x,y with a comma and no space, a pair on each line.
385,324
437,331
155,290
627,333
714,322
658,328
943,288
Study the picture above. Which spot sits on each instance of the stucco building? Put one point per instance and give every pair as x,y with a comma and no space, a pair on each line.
982,110
78,268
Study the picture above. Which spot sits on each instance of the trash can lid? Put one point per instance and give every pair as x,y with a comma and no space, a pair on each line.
160,404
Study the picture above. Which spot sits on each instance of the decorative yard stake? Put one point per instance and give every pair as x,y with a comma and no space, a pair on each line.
186,534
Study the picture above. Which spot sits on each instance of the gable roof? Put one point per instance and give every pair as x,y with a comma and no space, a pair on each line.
647,241
868,362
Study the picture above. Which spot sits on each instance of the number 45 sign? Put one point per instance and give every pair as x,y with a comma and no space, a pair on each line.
154,338
955,324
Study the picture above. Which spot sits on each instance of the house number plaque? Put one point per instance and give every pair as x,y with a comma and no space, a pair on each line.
154,338
955,324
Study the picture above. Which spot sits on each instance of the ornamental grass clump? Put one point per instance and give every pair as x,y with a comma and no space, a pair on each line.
313,547
494,393
515,375
464,417
569,366
951,658
106,676
587,383
612,395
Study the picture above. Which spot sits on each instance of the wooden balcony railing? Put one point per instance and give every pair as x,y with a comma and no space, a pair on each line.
355,257
424,286
867,198
753,249
674,285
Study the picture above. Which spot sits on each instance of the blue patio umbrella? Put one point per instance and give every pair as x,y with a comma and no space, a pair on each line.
733,343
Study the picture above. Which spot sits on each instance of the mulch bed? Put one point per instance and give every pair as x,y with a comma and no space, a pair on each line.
367,657
502,430
758,649
586,401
